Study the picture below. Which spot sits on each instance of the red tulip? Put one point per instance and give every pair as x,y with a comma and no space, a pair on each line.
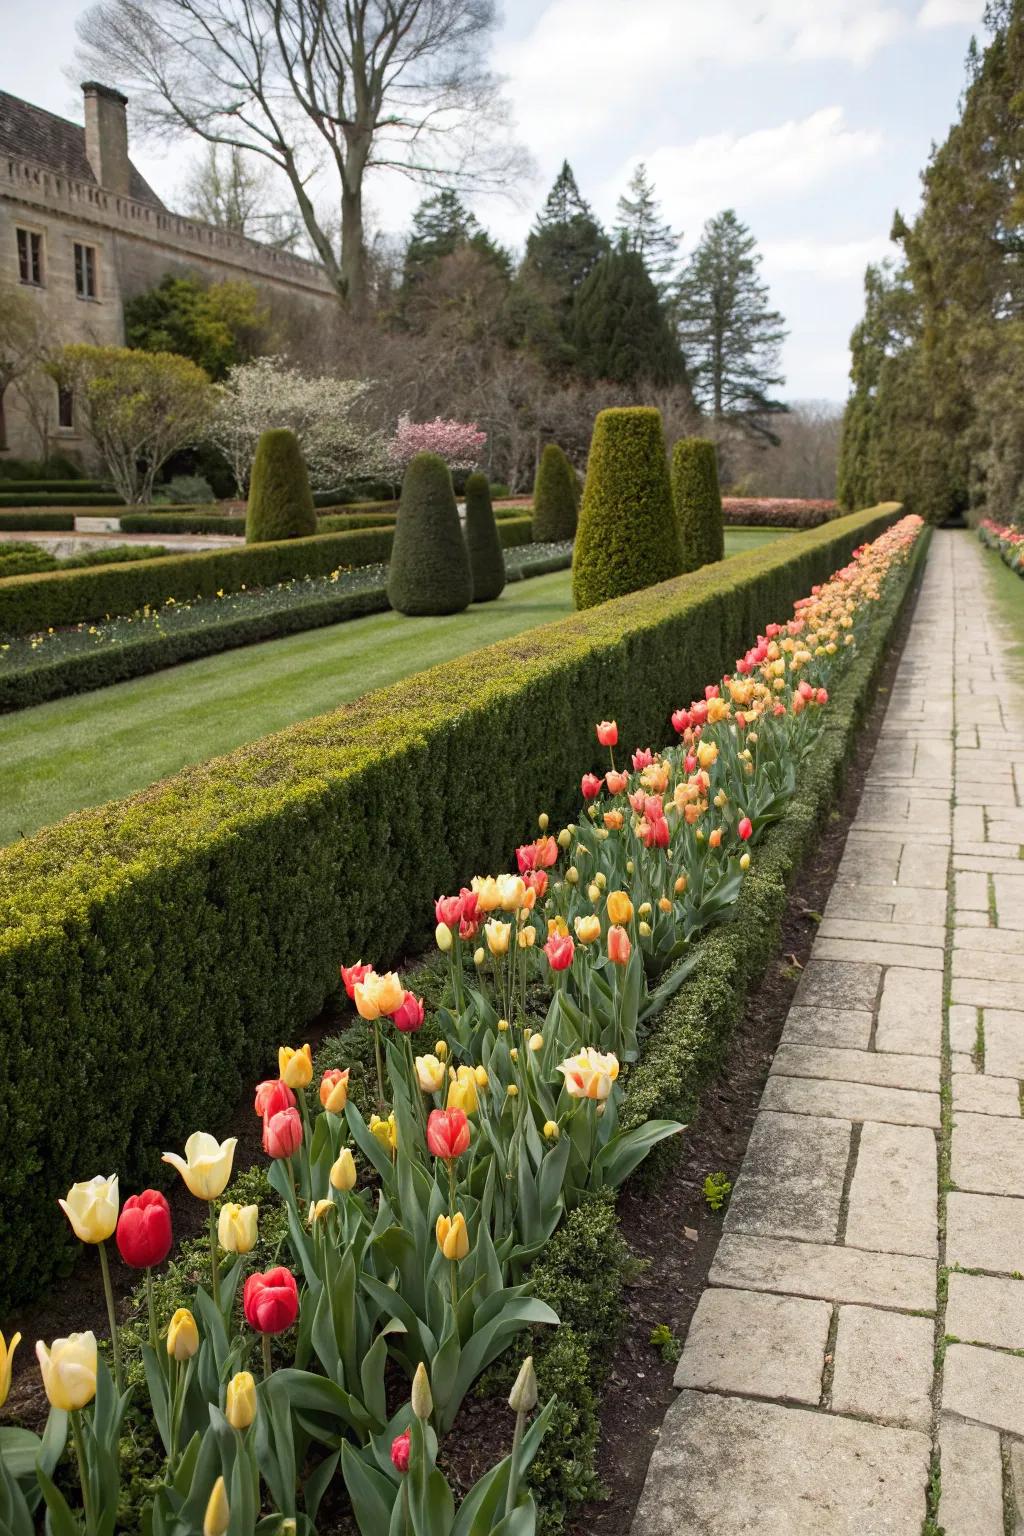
536,880
470,905
400,1452
272,1096
711,691
690,763
526,857
282,1133
560,951
822,695
591,786
447,1133
448,910
643,757
699,713
681,721
271,1301
607,733
745,828
656,832
144,1229
351,974
408,1016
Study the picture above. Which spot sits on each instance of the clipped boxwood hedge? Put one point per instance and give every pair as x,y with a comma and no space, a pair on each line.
67,498
29,521
181,521
72,487
153,951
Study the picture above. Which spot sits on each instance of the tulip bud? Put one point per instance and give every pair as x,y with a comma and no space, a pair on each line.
240,1409
551,1130
629,866
478,957
645,930
482,1079
343,1171
523,1397
182,1335
536,1042
542,821
572,875
319,1209
443,937
744,861
680,885
421,1400
644,910
594,892
664,905
564,837
217,1519
503,1026
513,1091
513,1054
441,1050
452,1236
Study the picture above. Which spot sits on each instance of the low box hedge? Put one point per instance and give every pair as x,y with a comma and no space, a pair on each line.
183,521
29,521
154,950
73,488
67,498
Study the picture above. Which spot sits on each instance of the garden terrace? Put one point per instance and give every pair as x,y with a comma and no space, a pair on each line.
186,929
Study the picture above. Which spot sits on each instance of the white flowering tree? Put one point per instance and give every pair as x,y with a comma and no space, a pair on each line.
459,443
324,413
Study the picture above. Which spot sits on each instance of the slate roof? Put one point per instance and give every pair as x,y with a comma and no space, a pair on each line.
52,141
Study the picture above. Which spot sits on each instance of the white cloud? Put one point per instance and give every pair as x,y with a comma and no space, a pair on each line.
828,260
722,170
950,13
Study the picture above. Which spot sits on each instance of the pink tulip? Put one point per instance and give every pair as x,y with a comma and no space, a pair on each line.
608,733
745,829
409,1015
560,950
591,786
282,1133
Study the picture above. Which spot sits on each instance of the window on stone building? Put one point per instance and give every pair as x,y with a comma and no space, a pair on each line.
85,271
65,409
30,257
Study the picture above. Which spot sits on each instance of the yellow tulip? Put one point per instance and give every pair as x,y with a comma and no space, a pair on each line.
707,753
588,929
512,1090
236,1227
334,1092
386,1131
536,1042
527,937
452,1236
572,875
6,1360
295,1067
564,838
441,1050
488,896
429,1073
480,1073
512,892
182,1335
206,1166
557,926
462,1091
551,1130
620,908
594,893
69,1370
590,1074
744,861
645,930
217,1520
377,996
240,1409
91,1208
343,1171
497,936
319,1209
443,938
478,956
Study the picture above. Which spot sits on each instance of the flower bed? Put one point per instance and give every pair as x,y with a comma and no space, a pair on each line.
776,512
34,668
1006,540
479,1147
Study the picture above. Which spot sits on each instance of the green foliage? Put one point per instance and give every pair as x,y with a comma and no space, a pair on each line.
56,467
442,225
60,499
280,502
666,1343
717,1189
187,520
215,326
429,570
27,521
639,228
555,496
619,329
627,536
185,932
25,559
698,502
184,491
483,545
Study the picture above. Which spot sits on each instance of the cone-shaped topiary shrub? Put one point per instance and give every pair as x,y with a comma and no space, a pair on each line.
280,501
556,497
698,501
486,561
429,571
627,536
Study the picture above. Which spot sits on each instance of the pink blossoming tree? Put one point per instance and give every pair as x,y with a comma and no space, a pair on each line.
459,443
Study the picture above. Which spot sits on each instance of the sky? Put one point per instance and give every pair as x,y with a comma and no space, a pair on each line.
812,118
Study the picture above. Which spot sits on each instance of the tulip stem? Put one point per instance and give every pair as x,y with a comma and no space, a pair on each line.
172,1433
214,1264
381,1101
455,1282
151,1309
513,1467
115,1342
83,1470
267,1367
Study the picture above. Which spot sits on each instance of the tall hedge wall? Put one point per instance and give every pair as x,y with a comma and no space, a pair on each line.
154,951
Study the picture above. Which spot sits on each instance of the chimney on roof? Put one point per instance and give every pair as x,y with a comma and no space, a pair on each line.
106,136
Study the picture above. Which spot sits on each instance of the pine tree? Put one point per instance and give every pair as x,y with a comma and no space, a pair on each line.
565,244
619,327
639,226
441,225
729,334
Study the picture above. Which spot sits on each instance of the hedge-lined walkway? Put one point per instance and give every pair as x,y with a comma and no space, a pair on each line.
861,1342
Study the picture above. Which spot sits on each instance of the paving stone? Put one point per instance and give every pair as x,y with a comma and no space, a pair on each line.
971,890
984,1309
870,862
879,952
824,1270
963,1028
884,903
838,984
932,935
893,1203
847,1028
972,1480
757,1344
978,1093
988,1154
791,1181
987,963
997,941
991,849
922,864
728,1465
851,1101
883,1366
962,1064
985,1232
1004,1042
984,1385
887,1070
910,1013
1017,1487
973,920
980,993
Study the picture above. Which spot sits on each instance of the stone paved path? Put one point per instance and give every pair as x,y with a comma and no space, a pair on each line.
864,1321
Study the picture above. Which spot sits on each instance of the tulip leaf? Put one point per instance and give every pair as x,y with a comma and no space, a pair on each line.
658,998
317,1483
60,1520
372,1494
615,1162
369,1145
19,1451
158,1398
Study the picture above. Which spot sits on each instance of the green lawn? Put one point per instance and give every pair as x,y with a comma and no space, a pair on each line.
1007,592
81,751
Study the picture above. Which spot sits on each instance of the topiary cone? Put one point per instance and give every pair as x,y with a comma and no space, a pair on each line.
429,571
698,502
280,501
555,497
486,561
627,536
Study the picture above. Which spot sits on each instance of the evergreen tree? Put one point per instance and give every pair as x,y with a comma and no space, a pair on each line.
280,501
729,334
640,228
429,570
441,225
555,497
564,246
483,545
619,327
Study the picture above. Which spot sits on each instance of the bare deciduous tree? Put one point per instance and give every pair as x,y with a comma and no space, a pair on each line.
228,189
353,84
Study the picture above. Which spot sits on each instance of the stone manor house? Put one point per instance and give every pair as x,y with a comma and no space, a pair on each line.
82,231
